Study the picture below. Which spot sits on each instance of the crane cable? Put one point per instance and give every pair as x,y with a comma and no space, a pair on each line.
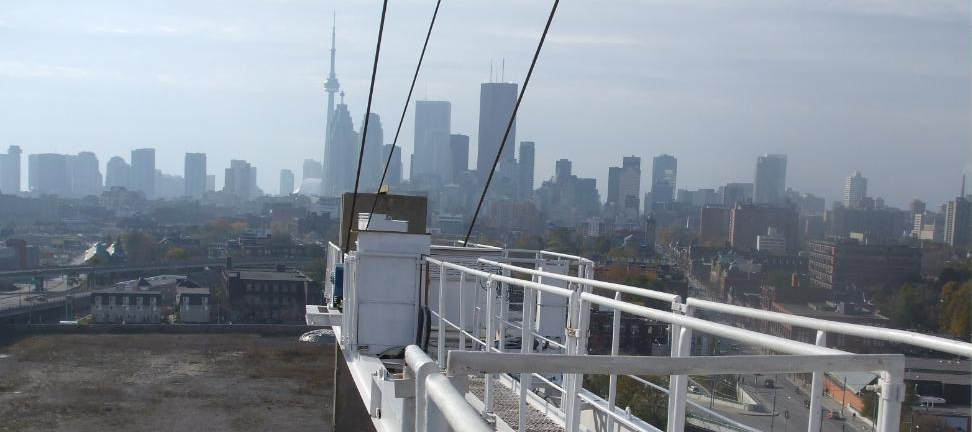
364,133
509,125
401,120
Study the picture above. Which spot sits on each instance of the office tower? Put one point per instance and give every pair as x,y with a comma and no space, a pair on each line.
84,174
747,221
562,170
770,180
735,193
47,173
432,139
855,190
496,102
286,182
393,177
169,186
459,152
340,159
372,164
526,164
664,170
312,169
331,86
142,176
237,179
614,187
211,183
117,173
958,223
10,171
629,189
195,175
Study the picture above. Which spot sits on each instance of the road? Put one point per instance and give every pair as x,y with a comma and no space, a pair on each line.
53,290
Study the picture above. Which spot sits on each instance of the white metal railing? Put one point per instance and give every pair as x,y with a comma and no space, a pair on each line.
432,386
483,328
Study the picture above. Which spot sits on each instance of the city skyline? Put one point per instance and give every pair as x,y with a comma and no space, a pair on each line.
810,135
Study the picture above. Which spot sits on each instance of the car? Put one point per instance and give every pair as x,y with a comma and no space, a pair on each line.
734,347
769,383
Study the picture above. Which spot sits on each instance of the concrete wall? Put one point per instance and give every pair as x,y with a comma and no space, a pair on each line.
10,333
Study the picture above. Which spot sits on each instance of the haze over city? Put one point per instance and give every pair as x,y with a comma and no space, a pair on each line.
838,86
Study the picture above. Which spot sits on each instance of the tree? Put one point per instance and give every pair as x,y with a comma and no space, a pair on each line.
956,316
140,247
914,306
176,254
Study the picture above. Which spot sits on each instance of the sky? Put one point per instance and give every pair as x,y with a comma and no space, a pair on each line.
876,86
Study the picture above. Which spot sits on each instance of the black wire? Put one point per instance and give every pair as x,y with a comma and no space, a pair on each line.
509,125
364,133
404,110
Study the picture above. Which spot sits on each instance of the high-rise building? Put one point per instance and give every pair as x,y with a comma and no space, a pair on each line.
958,223
340,159
750,220
117,173
47,173
496,102
855,190
372,164
211,183
459,151
286,182
169,186
562,170
393,177
195,175
142,176
432,140
526,164
84,174
238,179
848,264
736,193
664,170
312,169
10,171
614,187
769,185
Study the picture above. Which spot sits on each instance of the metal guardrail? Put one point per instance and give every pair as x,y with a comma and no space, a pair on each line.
490,320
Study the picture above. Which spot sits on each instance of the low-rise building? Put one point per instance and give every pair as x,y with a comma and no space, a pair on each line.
193,305
266,295
139,305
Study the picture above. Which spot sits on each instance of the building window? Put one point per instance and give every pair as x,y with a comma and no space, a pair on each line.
152,301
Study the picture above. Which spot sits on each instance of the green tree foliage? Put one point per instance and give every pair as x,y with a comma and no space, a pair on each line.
176,254
645,402
914,306
956,315
140,247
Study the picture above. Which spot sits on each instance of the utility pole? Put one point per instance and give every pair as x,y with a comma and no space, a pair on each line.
843,398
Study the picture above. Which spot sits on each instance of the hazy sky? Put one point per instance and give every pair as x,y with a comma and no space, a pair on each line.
880,86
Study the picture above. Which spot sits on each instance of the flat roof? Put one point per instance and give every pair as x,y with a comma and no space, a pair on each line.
267,274
192,291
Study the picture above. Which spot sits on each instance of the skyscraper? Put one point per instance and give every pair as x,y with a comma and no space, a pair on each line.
47,173
142,176
84,174
312,169
630,188
195,175
286,182
237,181
340,160
10,171
393,177
372,164
496,102
664,170
614,187
526,164
117,173
459,152
433,123
855,189
958,222
562,170
769,185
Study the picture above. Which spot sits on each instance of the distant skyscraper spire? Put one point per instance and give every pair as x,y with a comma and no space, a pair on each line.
331,85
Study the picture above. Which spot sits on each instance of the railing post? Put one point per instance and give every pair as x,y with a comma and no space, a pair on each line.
892,394
421,366
816,390
440,348
676,395
569,398
615,348
488,395
462,312
504,292
526,347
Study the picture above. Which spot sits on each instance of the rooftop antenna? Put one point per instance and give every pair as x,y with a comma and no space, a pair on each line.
503,71
490,70
963,186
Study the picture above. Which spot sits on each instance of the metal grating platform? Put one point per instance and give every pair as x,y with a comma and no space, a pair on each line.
506,406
